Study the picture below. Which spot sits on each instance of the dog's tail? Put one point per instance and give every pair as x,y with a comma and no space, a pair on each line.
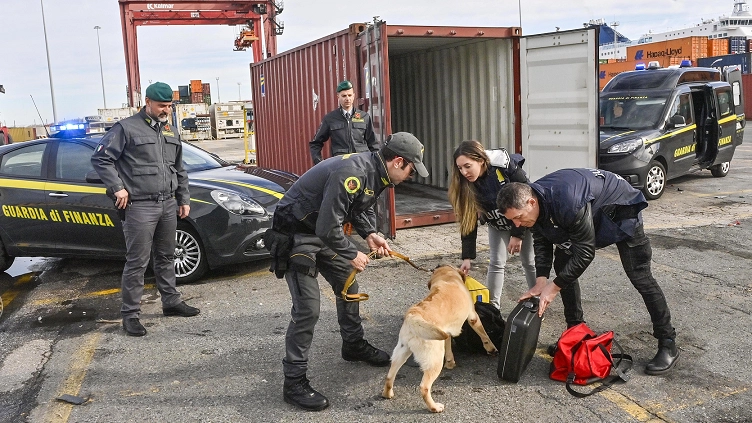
425,329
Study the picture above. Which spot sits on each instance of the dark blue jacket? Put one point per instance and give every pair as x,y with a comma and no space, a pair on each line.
582,210
504,167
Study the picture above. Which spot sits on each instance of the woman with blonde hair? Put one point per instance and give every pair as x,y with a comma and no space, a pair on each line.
477,177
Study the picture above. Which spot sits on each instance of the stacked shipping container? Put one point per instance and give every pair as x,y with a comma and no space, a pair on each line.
227,120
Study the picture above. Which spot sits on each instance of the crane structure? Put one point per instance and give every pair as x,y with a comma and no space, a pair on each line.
251,14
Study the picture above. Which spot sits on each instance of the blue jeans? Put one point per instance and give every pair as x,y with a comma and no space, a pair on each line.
635,254
498,242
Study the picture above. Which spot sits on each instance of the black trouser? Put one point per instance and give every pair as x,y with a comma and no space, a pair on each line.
635,254
308,257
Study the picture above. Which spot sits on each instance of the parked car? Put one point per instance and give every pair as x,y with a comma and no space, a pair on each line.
659,124
53,204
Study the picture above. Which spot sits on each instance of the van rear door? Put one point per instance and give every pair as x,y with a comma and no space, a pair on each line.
734,78
559,97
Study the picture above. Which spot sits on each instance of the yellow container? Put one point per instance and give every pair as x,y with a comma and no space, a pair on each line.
478,291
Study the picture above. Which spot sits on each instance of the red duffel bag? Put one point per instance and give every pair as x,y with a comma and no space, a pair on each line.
582,357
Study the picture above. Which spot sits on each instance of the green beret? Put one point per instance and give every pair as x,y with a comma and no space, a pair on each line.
344,85
159,91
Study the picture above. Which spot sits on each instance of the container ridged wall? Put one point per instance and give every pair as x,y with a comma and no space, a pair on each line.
299,89
429,91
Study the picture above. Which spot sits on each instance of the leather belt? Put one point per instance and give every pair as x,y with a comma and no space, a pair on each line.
156,197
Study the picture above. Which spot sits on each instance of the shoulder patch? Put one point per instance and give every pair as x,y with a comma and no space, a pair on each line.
346,156
352,185
500,176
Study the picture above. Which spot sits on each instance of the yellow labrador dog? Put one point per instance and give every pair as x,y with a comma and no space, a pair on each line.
428,329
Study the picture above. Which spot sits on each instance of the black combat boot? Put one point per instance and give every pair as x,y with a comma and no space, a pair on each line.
297,391
363,351
665,359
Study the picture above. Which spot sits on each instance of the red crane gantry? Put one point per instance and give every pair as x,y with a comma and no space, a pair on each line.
134,13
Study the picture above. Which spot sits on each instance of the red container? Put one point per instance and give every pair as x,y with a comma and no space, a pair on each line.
206,88
297,88
443,84
197,98
747,92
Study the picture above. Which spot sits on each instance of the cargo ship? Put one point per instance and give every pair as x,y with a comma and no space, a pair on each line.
737,28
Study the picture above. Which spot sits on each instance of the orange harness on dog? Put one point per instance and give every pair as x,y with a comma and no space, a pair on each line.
351,279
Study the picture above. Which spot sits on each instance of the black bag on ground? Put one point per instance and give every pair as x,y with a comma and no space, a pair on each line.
493,323
520,340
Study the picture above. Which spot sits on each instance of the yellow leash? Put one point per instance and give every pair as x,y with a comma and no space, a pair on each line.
363,296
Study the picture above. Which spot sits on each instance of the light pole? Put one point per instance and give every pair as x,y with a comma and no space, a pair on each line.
519,10
239,92
49,68
101,72
218,99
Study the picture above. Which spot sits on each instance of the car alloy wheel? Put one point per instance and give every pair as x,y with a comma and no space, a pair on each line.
655,181
190,258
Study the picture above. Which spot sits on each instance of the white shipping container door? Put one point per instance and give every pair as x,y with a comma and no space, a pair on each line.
559,97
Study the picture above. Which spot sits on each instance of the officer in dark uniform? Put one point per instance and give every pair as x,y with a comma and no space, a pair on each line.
310,217
140,161
349,129
578,211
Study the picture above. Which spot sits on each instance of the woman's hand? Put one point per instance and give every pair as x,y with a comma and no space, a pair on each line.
465,266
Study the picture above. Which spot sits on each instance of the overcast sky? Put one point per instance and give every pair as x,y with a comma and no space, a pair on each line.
178,54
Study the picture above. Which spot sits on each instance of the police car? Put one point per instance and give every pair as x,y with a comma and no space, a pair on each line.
53,204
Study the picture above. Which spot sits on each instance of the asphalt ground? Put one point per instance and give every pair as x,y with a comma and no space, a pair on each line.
60,333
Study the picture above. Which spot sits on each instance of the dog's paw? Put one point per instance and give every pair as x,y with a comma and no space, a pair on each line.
437,408
388,394
493,351
450,364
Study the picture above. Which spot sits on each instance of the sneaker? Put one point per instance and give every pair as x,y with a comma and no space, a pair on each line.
363,351
298,392
182,309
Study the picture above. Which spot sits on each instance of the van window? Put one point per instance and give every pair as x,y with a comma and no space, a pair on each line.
737,93
632,112
724,101
683,107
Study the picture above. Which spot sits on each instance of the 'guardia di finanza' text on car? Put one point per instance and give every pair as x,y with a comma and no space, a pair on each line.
48,209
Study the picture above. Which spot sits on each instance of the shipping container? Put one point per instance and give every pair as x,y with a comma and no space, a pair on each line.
747,92
193,121
196,86
443,84
737,45
114,115
206,88
718,47
184,91
197,97
19,134
691,48
723,62
176,96
227,120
